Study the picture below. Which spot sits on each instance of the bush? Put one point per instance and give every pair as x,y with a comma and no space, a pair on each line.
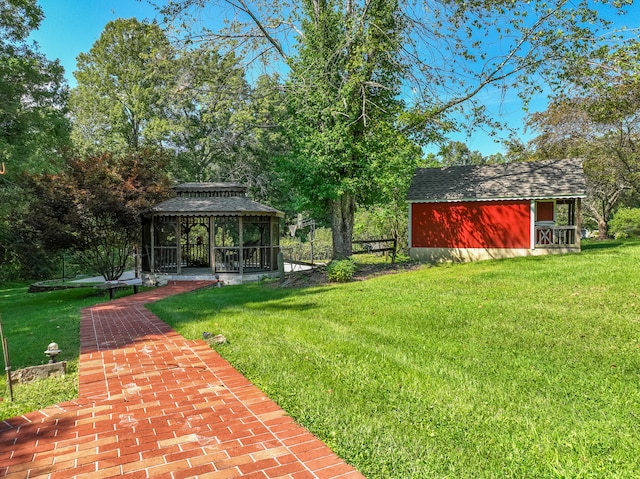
341,271
625,223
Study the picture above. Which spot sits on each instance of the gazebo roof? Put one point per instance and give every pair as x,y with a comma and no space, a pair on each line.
216,206
212,199
525,180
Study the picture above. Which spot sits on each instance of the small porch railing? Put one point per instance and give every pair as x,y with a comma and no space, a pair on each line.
556,236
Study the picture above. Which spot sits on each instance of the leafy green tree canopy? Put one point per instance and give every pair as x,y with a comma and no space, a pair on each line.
124,82
413,71
457,153
210,116
33,130
32,94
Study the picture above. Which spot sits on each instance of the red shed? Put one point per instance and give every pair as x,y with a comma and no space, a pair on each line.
464,213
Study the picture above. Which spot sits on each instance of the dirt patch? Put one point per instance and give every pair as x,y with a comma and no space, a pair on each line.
43,287
368,271
309,277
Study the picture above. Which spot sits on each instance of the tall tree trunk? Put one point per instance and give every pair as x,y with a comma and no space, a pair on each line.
343,211
603,229
601,210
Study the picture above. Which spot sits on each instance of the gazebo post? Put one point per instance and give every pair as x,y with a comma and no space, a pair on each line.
152,240
274,249
212,239
178,248
578,221
241,246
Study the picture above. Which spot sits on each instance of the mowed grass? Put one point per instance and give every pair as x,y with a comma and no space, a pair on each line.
31,321
523,368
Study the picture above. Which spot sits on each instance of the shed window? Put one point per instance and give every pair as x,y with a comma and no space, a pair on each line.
545,211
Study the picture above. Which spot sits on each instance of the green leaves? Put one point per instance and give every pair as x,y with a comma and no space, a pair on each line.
124,82
210,117
17,19
95,207
596,117
32,94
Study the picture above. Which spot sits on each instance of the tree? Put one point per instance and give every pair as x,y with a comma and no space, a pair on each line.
269,141
32,94
33,129
339,128
95,207
456,153
351,63
567,129
395,163
124,84
596,116
605,187
211,119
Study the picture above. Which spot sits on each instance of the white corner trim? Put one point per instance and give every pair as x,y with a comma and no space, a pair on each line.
532,221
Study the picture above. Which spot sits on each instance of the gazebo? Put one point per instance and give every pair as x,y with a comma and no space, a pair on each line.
208,229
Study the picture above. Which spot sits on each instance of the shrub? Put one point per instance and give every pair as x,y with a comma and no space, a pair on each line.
341,271
625,223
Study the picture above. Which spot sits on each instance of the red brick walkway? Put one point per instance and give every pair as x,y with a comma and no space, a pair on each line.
152,404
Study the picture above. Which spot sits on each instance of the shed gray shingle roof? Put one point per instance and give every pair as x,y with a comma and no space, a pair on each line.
539,179
234,205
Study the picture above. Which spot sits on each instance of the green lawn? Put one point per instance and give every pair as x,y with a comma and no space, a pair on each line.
516,368
524,368
31,321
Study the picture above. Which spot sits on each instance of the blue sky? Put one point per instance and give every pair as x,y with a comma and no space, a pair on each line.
71,27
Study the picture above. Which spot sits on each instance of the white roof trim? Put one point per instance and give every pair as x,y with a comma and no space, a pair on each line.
525,198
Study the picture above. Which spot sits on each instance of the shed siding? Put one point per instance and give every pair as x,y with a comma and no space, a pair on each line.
473,224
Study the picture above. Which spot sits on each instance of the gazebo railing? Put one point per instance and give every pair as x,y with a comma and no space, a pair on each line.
227,259
165,259
257,258
195,255
254,259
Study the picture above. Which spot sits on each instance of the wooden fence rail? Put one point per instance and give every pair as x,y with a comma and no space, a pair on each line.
376,246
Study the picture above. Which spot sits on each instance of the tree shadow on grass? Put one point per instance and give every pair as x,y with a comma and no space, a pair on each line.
212,302
600,245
